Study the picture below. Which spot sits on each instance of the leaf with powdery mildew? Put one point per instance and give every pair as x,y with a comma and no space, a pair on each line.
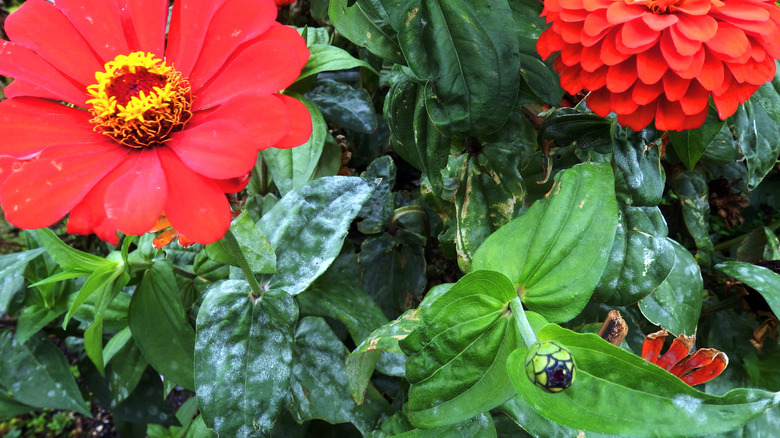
243,358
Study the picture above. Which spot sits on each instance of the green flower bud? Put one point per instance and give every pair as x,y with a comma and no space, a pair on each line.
549,366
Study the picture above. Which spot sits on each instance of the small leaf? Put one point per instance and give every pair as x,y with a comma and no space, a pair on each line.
457,358
756,134
37,374
638,169
340,103
11,274
763,280
676,304
364,24
689,145
155,309
243,356
256,252
616,392
307,228
556,251
323,57
67,257
691,188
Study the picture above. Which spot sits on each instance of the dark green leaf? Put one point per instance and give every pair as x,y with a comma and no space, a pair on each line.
155,309
471,69
768,96
457,358
307,227
124,372
323,57
319,386
556,251
676,304
541,79
365,23
763,280
256,252
11,274
616,392
691,188
10,408
690,145
480,426
340,103
638,169
757,136
567,125
37,374
640,259
243,355
378,210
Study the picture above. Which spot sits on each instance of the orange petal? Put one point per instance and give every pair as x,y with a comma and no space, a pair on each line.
637,121
644,94
707,372
622,76
651,66
729,41
652,345
675,86
622,103
680,348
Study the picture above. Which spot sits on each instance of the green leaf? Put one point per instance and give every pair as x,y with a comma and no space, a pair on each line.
617,392
125,372
692,190
323,57
640,259
757,135
378,211
155,309
539,76
347,106
318,385
256,252
689,145
67,257
567,125
243,355
460,50
293,167
763,280
109,278
638,168
10,408
532,422
456,359
480,426
12,274
768,96
36,316
676,304
93,343
365,24
307,228
37,374
555,252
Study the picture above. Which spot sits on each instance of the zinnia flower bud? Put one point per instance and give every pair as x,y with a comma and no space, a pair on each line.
549,366
662,59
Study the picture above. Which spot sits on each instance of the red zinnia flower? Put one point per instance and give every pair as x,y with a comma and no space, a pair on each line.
147,128
662,59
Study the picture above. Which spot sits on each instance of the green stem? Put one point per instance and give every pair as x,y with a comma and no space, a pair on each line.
522,322
235,249
731,242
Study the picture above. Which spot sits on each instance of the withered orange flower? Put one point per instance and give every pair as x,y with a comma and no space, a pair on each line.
662,60
700,367
116,122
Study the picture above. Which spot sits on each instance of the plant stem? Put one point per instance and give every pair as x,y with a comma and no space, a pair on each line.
522,322
235,248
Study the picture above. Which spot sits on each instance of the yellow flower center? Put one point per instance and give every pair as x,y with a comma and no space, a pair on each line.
663,6
138,101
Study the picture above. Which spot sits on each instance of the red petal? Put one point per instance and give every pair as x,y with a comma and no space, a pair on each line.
651,66
135,200
233,185
571,54
7,166
675,86
264,116
728,101
573,14
596,23
695,7
675,59
570,32
20,62
89,216
145,24
695,68
268,65
621,12
747,11
49,186
729,41
639,119
697,27
29,125
20,88
643,94
707,372
598,102
591,58
684,45
693,121
594,80
570,79
63,47
651,347
196,206
230,27
696,99
622,76
218,149
593,5
300,123
100,22
637,34
622,103
610,54
668,117
660,22
548,43
712,73
189,20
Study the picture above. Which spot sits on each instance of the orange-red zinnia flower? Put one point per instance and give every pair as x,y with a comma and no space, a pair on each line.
662,59
147,128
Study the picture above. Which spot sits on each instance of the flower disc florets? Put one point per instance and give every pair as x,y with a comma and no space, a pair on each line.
139,100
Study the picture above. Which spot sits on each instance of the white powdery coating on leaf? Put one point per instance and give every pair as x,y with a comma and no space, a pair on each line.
689,404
